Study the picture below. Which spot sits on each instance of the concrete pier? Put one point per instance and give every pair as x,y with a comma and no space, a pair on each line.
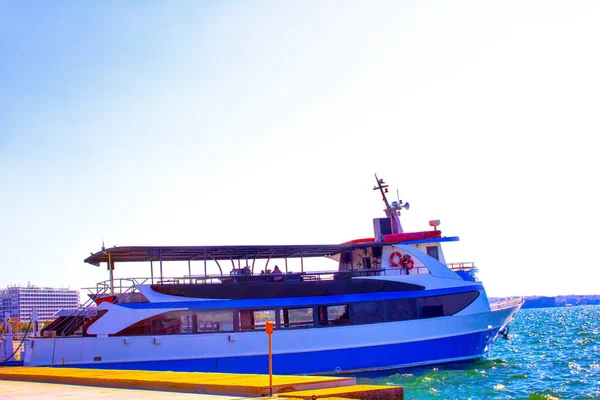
239,385
16,390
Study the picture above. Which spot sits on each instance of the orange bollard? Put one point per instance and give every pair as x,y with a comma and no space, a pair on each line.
269,330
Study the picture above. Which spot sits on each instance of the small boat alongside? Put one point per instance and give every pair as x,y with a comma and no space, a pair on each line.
387,302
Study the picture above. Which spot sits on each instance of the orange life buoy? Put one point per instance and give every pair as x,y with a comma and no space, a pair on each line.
393,262
409,264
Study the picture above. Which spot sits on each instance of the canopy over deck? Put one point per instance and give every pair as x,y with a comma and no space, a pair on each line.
191,253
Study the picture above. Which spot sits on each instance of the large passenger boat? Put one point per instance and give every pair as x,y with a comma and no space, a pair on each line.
391,301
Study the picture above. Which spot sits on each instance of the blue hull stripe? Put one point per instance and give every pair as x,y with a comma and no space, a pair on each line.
300,301
473,345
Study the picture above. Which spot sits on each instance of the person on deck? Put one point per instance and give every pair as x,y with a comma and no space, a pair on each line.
408,263
277,271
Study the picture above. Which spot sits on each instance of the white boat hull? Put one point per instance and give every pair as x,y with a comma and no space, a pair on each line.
354,348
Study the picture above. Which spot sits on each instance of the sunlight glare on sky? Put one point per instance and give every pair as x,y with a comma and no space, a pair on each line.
217,123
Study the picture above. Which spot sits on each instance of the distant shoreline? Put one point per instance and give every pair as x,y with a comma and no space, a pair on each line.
560,301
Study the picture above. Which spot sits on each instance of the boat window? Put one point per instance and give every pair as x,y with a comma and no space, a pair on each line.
251,320
333,315
432,251
163,324
401,309
449,304
182,322
207,321
296,317
457,302
367,313
436,310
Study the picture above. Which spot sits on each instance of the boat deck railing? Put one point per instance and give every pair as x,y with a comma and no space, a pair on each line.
505,302
461,266
72,322
119,287
123,290
284,277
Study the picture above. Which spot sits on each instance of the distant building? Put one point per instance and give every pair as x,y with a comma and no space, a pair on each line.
19,301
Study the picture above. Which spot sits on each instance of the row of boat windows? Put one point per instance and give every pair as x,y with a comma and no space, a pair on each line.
206,321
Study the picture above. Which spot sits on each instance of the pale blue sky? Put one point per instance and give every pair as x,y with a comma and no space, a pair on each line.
191,123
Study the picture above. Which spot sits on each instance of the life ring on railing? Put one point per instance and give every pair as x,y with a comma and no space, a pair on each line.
393,262
408,264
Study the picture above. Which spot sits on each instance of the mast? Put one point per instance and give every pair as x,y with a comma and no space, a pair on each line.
392,211
382,185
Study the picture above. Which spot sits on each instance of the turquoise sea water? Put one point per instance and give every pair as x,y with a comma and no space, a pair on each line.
552,353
